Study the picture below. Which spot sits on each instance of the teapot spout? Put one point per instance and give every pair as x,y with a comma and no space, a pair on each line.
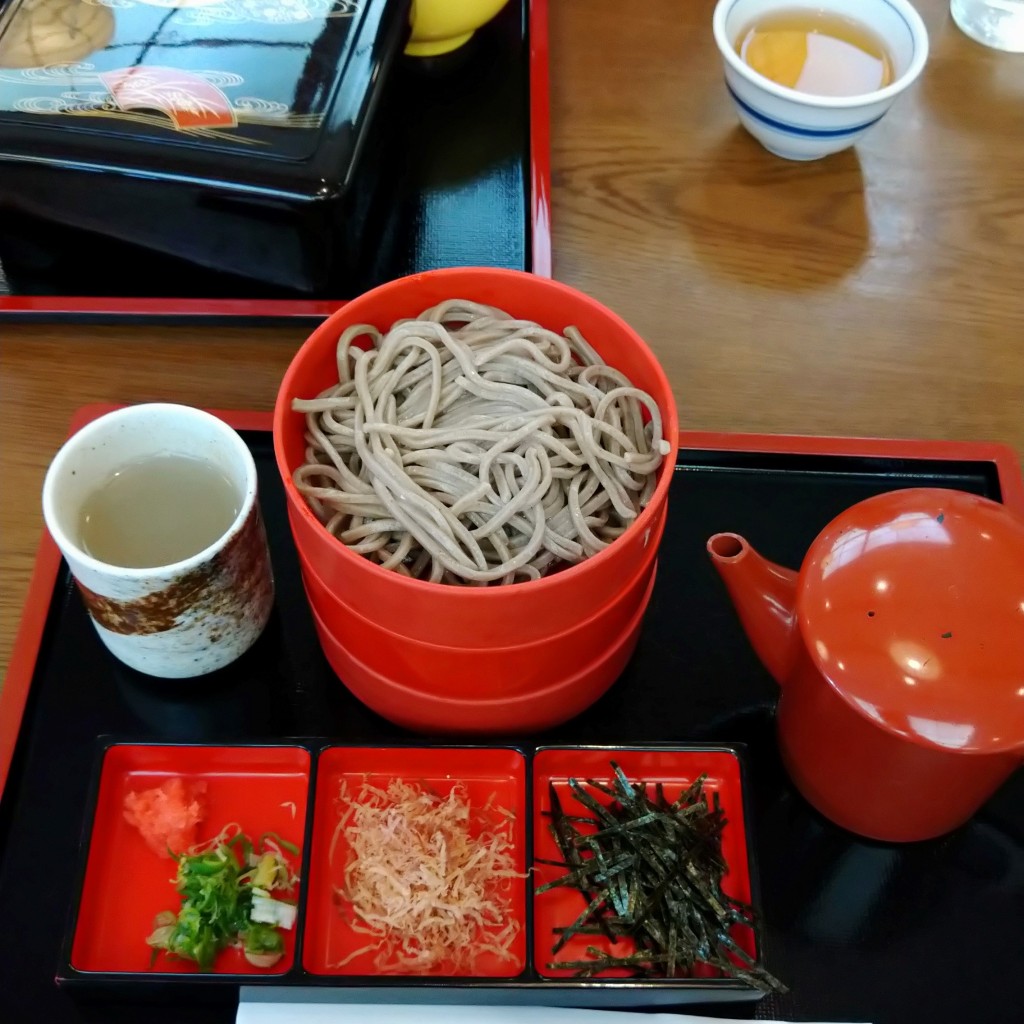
764,595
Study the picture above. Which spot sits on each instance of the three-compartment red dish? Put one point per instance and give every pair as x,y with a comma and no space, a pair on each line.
294,791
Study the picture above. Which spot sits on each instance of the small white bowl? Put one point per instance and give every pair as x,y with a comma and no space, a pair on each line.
798,125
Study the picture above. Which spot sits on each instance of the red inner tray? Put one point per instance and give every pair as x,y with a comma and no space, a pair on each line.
126,884
487,773
675,770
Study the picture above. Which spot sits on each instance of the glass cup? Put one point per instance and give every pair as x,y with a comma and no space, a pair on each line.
995,23
192,616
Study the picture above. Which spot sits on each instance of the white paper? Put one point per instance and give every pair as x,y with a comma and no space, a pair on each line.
362,1013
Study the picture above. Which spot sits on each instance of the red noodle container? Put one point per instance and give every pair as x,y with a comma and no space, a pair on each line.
488,620
480,671
539,709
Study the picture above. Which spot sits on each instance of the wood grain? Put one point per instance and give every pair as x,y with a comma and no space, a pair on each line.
879,292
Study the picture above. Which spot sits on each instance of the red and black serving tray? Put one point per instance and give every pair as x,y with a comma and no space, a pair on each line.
453,171
858,930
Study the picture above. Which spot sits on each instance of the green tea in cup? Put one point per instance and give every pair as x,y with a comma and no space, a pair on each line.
157,510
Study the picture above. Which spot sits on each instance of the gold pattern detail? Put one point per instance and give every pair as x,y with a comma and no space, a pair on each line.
166,101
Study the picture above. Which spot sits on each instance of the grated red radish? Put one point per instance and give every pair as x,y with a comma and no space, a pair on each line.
167,815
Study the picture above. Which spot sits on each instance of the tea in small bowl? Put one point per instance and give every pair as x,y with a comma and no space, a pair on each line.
817,52
811,80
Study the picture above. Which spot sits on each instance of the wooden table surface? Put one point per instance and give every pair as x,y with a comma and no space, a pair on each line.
878,292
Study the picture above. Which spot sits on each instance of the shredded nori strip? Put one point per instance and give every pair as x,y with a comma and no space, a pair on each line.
650,871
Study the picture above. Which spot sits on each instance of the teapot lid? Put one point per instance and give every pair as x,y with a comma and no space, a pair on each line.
912,605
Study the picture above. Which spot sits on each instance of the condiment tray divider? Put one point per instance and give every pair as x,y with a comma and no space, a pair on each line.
855,929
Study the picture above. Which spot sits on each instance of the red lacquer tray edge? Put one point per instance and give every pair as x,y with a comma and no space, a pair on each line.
41,307
27,643
540,141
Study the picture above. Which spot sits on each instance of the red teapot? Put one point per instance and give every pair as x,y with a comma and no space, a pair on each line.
899,650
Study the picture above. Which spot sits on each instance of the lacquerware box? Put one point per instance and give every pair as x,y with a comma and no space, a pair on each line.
223,132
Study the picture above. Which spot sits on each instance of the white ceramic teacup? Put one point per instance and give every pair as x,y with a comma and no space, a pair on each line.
195,615
800,126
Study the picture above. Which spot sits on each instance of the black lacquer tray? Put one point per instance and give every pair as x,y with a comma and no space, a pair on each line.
226,138
859,930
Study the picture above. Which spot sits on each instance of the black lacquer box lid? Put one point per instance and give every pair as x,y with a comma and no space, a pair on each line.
260,96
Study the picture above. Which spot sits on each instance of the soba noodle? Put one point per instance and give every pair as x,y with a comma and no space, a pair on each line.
466,446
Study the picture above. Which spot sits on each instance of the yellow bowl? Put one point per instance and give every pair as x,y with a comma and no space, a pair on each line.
440,26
